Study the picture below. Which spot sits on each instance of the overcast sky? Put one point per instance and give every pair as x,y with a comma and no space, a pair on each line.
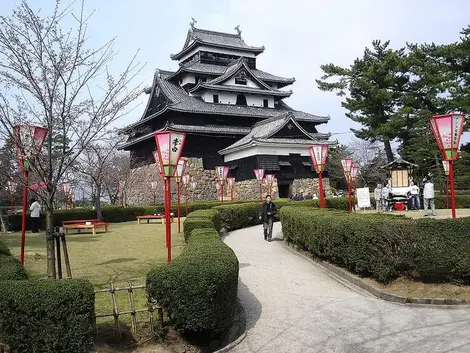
298,36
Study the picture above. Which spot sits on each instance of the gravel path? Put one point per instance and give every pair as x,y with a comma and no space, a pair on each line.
293,306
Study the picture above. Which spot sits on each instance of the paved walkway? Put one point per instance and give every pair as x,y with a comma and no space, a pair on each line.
293,306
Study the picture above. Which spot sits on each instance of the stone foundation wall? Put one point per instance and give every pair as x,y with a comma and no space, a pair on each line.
306,186
249,190
138,190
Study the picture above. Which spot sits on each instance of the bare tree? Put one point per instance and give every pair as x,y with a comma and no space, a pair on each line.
97,165
369,157
51,78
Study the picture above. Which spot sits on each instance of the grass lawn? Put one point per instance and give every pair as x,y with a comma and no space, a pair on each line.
411,289
126,253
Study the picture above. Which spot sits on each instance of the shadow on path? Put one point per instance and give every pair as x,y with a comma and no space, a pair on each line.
251,304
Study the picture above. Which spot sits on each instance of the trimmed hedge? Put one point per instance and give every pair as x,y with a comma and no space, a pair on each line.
199,288
461,201
196,223
4,250
112,214
211,214
383,246
11,269
47,316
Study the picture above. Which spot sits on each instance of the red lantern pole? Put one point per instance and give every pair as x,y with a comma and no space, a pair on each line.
178,189
447,191
186,197
23,217
168,218
222,193
349,195
320,186
452,191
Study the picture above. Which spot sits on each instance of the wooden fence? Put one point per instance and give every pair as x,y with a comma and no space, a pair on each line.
151,308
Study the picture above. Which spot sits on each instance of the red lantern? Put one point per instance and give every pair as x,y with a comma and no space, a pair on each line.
259,173
347,164
231,184
447,130
222,172
318,154
29,140
169,146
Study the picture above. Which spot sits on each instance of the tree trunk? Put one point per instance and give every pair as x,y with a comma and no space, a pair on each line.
388,151
99,214
50,245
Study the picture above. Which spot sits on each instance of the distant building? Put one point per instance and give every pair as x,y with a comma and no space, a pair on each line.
233,114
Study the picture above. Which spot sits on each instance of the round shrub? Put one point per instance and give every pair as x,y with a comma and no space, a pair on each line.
11,269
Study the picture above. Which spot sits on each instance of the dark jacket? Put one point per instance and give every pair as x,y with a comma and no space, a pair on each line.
265,209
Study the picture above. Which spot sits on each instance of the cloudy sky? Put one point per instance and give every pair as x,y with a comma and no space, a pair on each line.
298,35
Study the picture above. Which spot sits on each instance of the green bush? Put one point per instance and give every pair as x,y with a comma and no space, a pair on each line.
11,269
112,214
199,288
239,215
4,250
211,214
47,316
461,201
337,203
382,246
195,223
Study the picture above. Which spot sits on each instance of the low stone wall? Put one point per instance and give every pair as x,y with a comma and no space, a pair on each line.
309,186
138,190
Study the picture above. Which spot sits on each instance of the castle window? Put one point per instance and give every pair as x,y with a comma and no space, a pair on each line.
241,99
265,103
215,98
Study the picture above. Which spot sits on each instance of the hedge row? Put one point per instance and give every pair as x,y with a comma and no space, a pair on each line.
46,316
10,267
383,246
199,288
112,214
43,316
209,218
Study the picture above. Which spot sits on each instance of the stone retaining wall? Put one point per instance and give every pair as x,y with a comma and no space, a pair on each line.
138,190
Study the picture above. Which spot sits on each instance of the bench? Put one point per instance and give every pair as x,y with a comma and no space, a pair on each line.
80,226
78,221
152,216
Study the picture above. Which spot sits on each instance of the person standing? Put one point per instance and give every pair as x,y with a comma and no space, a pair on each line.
378,197
267,213
385,194
428,197
414,190
35,209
